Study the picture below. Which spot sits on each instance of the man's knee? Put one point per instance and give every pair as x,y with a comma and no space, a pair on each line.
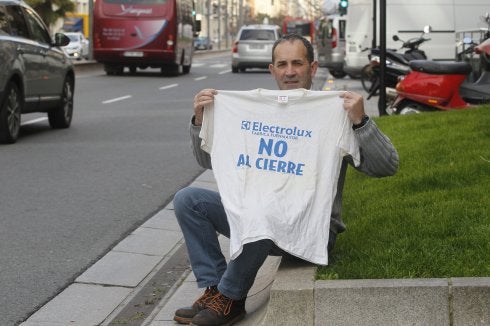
183,199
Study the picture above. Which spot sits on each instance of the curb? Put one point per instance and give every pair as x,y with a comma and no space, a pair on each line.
297,299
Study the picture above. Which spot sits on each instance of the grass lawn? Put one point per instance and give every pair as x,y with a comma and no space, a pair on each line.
430,220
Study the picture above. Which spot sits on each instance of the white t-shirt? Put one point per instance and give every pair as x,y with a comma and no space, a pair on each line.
276,157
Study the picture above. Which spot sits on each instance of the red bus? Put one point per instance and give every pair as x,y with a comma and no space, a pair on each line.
301,26
144,34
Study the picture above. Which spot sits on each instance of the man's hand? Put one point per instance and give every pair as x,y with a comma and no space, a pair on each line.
203,98
354,105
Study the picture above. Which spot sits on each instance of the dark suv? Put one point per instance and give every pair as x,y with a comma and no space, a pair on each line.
35,74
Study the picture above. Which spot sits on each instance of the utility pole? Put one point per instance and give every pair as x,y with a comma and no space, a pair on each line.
382,57
227,30
219,24
208,20
90,29
240,17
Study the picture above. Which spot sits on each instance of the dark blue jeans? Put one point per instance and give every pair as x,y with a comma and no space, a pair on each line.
202,217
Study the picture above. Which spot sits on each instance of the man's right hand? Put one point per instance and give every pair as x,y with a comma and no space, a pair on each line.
203,98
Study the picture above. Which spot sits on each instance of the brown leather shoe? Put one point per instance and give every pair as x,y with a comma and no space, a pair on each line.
220,310
185,315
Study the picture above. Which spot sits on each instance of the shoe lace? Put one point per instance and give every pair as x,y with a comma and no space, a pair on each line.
208,294
220,304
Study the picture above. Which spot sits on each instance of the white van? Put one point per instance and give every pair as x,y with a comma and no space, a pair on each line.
406,18
330,44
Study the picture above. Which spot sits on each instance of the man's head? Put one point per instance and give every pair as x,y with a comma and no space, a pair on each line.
293,65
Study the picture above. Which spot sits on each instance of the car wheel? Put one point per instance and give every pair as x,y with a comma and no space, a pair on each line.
186,69
60,117
10,111
234,69
338,74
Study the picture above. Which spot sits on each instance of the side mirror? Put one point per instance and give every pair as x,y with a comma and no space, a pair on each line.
61,39
395,38
427,29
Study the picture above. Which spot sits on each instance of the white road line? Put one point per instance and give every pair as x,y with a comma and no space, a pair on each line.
169,86
200,78
197,64
218,65
224,72
117,99
30,122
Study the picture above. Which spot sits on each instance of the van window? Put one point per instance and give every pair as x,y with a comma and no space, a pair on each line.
326,28
342,24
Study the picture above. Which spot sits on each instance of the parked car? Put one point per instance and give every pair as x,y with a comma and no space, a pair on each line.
253,47
203,43
35,73
78,46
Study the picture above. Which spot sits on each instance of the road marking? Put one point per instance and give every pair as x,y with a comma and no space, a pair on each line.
117,99
218,65
200,78
169,86
30,122
224,72
197,64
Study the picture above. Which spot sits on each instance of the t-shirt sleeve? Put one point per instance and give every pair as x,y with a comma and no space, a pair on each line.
207,128
347,141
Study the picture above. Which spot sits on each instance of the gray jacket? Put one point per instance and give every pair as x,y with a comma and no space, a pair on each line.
379,158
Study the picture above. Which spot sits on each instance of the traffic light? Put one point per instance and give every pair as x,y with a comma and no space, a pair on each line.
343,4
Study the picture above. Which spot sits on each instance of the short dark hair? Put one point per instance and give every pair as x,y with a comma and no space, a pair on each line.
295,37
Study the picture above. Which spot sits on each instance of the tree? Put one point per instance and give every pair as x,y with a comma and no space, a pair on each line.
52,10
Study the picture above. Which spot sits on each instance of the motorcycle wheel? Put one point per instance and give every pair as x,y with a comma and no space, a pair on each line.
412,108
387,108
368,79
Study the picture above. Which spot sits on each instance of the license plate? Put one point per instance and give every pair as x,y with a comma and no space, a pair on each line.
135,54
256,46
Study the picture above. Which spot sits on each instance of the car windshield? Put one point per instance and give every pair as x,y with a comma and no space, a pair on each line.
257,34
73,37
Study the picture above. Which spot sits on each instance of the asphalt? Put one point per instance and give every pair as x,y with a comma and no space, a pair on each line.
146,277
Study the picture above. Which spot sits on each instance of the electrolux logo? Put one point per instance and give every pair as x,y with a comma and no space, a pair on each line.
263,129
134,11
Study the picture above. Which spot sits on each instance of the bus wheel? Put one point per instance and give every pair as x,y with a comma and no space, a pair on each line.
113,69
186,69
170,70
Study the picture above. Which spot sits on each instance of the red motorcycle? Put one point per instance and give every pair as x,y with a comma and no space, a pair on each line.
443,85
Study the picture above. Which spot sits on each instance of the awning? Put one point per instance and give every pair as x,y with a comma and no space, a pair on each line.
73,24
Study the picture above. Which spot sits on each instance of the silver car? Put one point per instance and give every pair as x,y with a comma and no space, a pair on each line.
78,46
253,47
35,74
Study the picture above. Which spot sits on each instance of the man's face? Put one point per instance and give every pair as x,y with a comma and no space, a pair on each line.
291,68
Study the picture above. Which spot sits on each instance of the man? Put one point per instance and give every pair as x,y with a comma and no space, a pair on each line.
201,214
